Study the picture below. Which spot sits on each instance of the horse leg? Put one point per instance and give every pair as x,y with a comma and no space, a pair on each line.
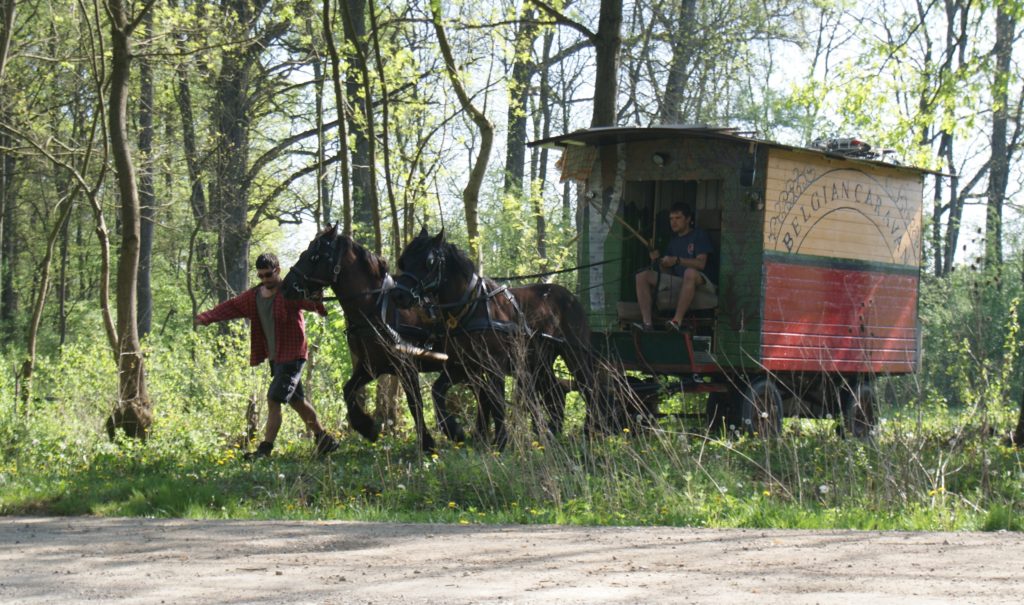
491,396
445,419
354,397
410,380
555,392
582,363
552,392
533,386
483,419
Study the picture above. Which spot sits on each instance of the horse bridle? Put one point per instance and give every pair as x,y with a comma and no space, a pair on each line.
420,289
314,259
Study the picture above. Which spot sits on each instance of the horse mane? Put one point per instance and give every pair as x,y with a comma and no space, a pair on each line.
459,259
456,258
365,259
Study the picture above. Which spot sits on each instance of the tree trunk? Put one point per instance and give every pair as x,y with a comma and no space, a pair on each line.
103,237
232,117
7,10
544,105
29,364
519,98
199,247
62,282
607,42
10,250
607,45
147,195
678,70
183,96
1018,433
396,231
364,191
471,194
229,191
132,413
956,211
999,165
340,103
322,212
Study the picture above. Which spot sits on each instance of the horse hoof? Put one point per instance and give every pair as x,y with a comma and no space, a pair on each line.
368,430
457,435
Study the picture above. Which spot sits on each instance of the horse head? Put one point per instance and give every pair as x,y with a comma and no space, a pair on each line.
422,267
317,267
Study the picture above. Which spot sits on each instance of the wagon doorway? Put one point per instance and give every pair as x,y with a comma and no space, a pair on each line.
646,207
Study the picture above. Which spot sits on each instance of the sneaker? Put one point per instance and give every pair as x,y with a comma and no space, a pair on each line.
325,445
262,451
673,326
641,327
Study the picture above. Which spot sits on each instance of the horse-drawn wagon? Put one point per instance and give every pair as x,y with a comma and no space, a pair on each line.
818,258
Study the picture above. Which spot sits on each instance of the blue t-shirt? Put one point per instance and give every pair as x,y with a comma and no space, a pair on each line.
691,245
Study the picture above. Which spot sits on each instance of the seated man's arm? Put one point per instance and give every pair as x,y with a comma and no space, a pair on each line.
698,263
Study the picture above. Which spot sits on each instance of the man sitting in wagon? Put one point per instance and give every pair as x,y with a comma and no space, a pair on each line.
680,272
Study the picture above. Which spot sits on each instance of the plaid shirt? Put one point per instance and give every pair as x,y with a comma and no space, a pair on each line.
289,324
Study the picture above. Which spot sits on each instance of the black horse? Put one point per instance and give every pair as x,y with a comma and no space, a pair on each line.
381,338
492,331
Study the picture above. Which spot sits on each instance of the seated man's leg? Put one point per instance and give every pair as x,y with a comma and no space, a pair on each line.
691,279
646,281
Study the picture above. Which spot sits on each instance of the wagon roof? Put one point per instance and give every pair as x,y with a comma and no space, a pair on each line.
609,135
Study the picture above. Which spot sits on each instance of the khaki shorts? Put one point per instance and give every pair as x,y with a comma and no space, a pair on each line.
705,296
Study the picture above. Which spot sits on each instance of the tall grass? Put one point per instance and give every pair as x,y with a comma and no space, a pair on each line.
930,465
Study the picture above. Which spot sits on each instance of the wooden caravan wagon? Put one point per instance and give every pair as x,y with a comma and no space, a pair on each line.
816,264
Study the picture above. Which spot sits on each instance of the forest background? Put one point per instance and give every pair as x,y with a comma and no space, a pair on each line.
149,150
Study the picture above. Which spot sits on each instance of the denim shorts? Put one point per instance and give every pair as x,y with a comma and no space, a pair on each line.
286,382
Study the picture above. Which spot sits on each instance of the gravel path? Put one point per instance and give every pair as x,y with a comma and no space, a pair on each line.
99,560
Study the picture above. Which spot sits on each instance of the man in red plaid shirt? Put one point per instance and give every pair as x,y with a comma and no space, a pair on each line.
278,333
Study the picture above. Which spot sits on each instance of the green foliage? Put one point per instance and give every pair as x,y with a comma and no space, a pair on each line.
928,467
972,336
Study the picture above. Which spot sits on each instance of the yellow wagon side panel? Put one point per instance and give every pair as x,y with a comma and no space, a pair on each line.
818,206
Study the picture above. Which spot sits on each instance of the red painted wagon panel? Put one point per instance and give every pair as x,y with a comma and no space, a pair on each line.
819,318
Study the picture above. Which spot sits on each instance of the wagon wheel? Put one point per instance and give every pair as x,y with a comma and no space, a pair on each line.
858,403
722,410
762,408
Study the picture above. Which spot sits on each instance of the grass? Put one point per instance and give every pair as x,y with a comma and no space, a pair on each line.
929,467
808,478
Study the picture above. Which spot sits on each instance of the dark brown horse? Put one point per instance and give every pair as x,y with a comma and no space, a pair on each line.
492,331
381,338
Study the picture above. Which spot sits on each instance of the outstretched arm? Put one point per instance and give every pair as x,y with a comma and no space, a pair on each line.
229,309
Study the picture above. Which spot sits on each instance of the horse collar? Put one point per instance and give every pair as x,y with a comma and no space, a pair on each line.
463,305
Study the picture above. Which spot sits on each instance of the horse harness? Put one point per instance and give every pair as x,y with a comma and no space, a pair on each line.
389,317
462,316
465,316
470,314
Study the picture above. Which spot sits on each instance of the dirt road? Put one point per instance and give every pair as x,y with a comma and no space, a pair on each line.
72,560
